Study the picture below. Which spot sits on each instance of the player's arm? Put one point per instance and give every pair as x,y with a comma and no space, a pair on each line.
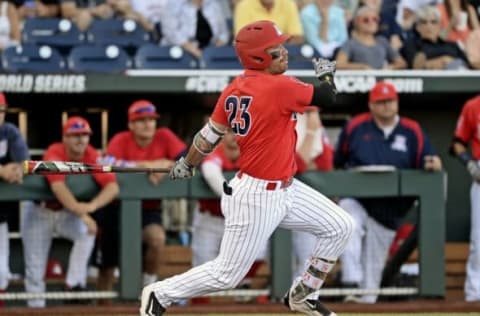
204,142
213,175
325,93
459,149
65,197
105,196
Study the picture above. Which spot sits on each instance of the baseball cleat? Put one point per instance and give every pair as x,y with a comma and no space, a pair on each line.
311,307
149,304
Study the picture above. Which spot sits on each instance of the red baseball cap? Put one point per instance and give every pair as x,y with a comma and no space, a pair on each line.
140,109
383,91
3,100
76,125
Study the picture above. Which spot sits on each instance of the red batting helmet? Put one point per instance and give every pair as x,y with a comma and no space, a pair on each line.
253,39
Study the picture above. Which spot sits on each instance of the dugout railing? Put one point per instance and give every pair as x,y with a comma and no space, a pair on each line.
429,187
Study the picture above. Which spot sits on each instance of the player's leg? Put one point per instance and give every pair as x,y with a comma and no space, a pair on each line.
5,254
70,226
377,244
353,266
154,239
36,227
207,232
472,281
251,215
310,211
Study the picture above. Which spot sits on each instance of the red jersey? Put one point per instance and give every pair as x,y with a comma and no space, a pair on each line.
57,152
165,144
468,125
260,109
218,157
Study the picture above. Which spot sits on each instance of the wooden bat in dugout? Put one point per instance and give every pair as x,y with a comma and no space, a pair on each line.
70,167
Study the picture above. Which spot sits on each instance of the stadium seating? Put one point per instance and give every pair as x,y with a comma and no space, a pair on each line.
151,56
31,58
98,59
59,33
222,57
121,32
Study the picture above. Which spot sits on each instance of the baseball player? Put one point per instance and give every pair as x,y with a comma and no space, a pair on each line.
148,146
66,216
313,152
467,132
260,107
13,150
380,137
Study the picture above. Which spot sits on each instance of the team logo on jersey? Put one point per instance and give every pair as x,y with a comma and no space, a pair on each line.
3,148
399,143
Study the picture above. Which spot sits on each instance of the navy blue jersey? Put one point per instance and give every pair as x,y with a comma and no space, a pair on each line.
13,147
363,143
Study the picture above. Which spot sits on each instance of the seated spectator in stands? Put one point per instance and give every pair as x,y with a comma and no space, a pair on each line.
13,150
325,27
472,49
380,137
81,12
365,50
406,17
283,12
146,146
313,152
457,19
196,24
66,216
124,9
349,7
10,32
430,51
154,12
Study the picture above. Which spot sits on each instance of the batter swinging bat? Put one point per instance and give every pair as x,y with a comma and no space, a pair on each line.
68,167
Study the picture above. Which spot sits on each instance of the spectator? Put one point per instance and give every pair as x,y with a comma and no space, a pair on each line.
208,221
10,31
284,13
466,133
406,17
154,12
472,49
325,27
145,145
13,150
457,19
66,216
196,24
124,9
81,12
430,51
314,152
349,7
365,50
380,137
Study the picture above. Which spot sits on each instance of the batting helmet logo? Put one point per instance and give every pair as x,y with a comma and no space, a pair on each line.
253,39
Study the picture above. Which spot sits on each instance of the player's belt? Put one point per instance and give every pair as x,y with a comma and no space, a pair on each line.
273,185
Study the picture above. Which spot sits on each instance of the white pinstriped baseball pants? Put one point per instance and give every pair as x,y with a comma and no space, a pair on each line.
472,281
252,213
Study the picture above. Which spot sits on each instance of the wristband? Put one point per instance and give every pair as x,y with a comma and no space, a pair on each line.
464,157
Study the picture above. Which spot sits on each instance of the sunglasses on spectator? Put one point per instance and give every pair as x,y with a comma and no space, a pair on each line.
275,54
423,21
367,19
145,109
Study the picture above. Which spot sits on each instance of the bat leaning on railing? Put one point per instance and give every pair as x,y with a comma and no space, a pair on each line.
70,167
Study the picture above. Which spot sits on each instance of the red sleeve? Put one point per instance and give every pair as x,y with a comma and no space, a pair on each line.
55,152
115,146
92,156
465,128
295,94
175,146
324,162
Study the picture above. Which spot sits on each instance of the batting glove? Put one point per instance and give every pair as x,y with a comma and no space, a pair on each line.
474,170
181,170
324,69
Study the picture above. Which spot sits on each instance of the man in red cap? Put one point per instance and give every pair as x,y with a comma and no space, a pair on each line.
148,146
66,216
13,150
381,139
